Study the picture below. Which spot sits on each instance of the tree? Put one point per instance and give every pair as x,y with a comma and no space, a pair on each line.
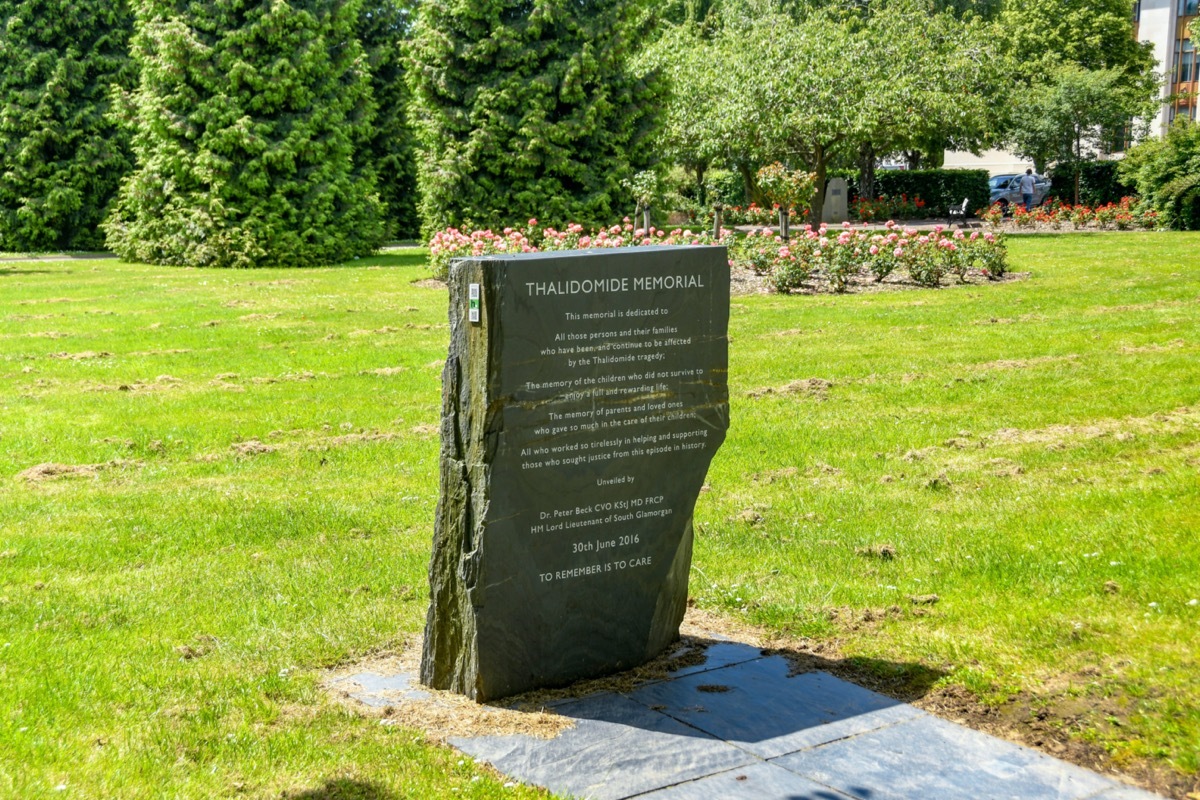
945,88
1067,117
1167,173
61,157
807,86
1043,35
1085,76
247,118
529,108
390,148
693,133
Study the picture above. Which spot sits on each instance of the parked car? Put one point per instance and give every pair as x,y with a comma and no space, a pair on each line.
1007,189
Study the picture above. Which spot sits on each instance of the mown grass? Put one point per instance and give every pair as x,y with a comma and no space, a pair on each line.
1030,450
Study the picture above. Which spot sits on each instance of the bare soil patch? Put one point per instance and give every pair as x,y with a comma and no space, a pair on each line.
83,356
817,388
1175,344
1024,363
53,471
251,448
429,283
49,300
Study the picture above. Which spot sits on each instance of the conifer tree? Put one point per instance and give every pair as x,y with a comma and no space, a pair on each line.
61,157
383,27
529,108
248,117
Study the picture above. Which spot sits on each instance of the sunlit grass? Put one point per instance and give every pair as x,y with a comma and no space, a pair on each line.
261,472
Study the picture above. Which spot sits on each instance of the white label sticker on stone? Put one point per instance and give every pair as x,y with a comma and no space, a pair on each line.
473,303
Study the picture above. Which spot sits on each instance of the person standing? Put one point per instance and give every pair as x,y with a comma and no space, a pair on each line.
1027,184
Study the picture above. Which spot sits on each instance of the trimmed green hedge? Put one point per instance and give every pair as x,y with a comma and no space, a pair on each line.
1098,183
939,188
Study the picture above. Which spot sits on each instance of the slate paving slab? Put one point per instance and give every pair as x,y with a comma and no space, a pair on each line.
758,707
618,748
740,726
756,782
934,759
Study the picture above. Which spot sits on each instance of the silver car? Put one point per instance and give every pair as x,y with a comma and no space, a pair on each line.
1007,189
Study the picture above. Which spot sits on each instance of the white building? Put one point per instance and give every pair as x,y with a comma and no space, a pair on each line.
1163,23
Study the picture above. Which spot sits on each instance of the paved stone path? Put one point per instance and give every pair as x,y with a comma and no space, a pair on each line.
738,727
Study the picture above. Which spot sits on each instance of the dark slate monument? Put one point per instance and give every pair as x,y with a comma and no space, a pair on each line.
583,398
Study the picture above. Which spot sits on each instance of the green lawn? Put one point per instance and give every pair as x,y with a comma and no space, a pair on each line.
260,475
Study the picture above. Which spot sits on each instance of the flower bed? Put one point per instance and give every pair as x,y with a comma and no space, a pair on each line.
453,243
835,256
885,207
841,255
1056,215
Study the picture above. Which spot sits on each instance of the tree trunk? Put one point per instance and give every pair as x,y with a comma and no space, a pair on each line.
701,192
913,158
866,171
748,184
820,164
1078,165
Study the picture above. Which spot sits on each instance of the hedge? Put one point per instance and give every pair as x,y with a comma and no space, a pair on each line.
1098,183
939,188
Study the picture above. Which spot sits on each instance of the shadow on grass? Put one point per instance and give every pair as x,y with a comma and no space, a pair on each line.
415,259
11,271
344,789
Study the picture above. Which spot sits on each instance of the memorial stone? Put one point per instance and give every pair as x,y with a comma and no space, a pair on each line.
837,197
584,396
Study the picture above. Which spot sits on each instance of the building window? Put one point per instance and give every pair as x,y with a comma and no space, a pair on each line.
1188,8
1137,10
1185,60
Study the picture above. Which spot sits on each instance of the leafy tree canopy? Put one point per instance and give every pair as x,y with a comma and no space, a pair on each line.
390,147
529,108
248,117
767,86
1043,35
1167,173
1068,115
61,157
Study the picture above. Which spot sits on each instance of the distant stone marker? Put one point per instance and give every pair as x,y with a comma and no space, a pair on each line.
837,198
583,398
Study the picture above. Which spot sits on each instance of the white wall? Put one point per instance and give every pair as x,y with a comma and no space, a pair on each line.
1157,26
996,162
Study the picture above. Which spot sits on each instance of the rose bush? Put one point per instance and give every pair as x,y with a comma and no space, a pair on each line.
836,256
885,207
454,243
840,255
1126,215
